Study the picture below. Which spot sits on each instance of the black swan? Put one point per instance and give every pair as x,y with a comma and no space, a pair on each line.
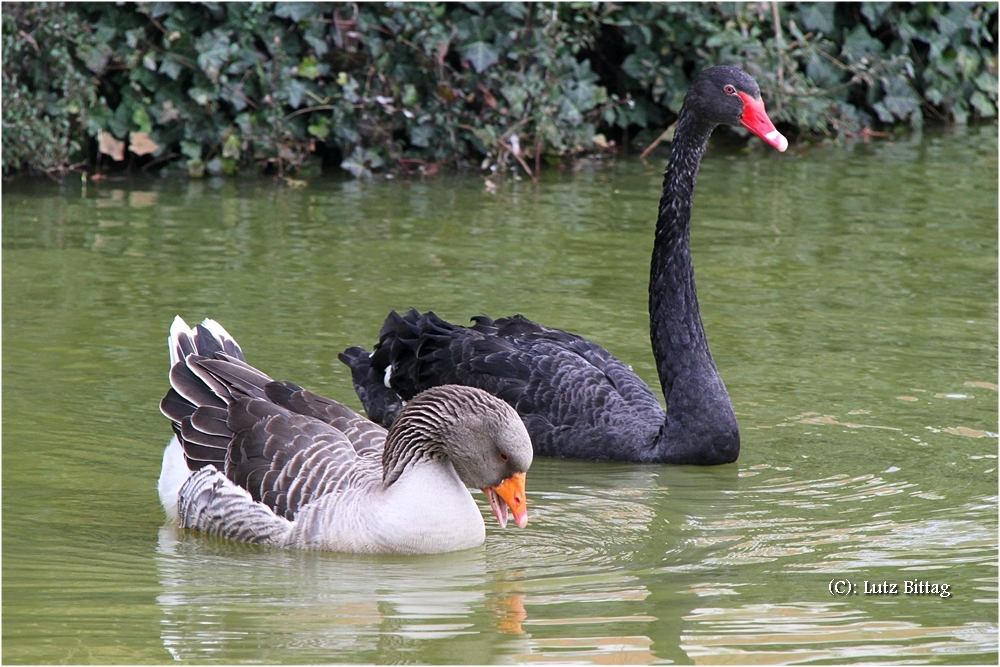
268,462
576,399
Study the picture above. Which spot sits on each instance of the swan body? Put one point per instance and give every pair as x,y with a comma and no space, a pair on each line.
576,399
267,462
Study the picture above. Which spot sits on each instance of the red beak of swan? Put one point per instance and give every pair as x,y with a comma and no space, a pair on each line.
755,119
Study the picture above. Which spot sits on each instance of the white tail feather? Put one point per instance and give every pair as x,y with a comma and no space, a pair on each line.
219,331
178,328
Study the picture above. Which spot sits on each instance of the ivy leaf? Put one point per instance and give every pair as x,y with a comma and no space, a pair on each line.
480,54
141,120
859,44
200,95
422,136
968,60
983,105
410,96
350,90
516,97
569,113
141,143
192,149
874,11
987,82
318,43
641,64
170,67
108,145
822,72
320,129
213,52
355,164
297,10
232,147
95,57
158,9
583,95
900,102
308,69
517,10
818,17
296,90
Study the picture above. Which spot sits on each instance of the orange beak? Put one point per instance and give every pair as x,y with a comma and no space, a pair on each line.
511,492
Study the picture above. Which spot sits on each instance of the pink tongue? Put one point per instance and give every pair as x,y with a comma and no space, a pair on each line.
499,507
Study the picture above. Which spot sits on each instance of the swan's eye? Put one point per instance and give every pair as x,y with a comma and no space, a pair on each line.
503,457
730,90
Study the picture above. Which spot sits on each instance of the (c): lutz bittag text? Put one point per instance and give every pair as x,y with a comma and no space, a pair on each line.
906,587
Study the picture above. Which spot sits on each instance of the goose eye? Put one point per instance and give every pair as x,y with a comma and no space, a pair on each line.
730,90
503,457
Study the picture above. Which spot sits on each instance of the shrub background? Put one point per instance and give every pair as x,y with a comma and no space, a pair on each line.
227,87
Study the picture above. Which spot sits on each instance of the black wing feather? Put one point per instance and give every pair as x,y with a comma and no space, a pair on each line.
575,398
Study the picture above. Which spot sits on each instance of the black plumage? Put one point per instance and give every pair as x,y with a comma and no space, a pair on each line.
575,398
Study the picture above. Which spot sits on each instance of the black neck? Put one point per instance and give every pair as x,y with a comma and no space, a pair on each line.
700,417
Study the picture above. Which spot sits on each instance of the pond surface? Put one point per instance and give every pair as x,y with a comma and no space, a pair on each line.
850,298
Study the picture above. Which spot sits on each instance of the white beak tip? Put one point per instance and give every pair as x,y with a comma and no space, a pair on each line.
777,140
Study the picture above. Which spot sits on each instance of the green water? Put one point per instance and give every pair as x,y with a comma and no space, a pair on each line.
850,299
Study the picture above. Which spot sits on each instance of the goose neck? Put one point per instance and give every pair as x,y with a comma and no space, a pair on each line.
411,438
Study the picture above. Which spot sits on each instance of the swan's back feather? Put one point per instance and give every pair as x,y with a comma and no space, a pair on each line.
575,398
381,403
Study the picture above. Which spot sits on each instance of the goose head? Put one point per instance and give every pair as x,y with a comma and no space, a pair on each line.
728,95
482,436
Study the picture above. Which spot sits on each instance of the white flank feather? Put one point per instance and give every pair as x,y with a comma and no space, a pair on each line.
173,474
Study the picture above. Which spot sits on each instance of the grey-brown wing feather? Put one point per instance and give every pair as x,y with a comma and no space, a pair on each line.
366,436
287,460
277,446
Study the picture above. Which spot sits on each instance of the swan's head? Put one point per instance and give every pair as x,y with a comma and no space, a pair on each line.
483,437
729,95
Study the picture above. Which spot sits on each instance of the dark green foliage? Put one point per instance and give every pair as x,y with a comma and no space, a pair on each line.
222,87
46,97
824,68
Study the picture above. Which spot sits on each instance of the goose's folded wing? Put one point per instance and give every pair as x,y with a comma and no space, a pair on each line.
277,462
365,436
286,460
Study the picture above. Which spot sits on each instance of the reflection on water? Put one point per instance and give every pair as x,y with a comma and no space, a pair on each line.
218,597
603,568
850,297
800,633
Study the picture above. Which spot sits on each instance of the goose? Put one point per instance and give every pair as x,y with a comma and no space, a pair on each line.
576,399
265,462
